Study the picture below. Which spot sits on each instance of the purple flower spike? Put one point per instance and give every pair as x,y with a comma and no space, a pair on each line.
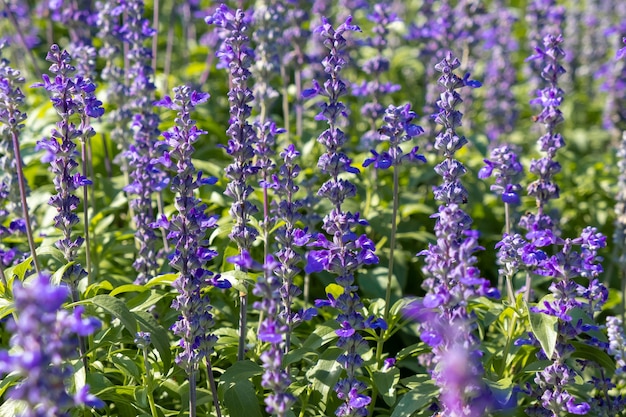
398,128
69,95
187,230
346,252
451,279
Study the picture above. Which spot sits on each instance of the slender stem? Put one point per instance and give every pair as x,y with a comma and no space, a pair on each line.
149,383
283,75
527,292
192,394
84,145
213,386
299,109
22,185
392,243
108,168
243,322
155,38
168,50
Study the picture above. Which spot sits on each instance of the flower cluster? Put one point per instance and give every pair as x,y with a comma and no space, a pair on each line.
187,232
346,252
452,280
289,237
544,188
273,330
69,95
238,55
46,336
505,166
398,128
11,119
145,177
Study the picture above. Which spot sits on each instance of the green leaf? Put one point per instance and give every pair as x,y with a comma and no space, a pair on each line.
12,408
241,400
385,383
501,389
159,337
592,353
165,279
416,399
239,371
544,328
19,270
334,289
116,308
325,374
127,288
238,279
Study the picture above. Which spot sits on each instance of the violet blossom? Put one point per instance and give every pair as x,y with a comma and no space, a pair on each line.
187,232
345,252
69,95
375,89
236,53
452,280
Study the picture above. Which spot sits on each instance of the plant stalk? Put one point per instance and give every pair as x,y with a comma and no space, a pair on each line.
22,185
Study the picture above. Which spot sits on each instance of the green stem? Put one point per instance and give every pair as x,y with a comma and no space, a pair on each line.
149,383
283,75
213,386
192,394
392,242
84,145
243,321
22,186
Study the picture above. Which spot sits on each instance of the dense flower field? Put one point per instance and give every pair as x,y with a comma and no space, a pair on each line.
312,208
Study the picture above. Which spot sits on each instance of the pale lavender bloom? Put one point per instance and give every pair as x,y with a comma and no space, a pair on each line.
452,280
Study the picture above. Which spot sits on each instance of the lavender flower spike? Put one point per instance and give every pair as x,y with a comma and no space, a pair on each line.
452,280
187,232
236,51
46,336
69,95
344,253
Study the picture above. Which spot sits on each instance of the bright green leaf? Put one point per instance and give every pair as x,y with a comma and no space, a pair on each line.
544,328
416,399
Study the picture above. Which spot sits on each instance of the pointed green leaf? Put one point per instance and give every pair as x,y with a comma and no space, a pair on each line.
416,399
544,328
117,309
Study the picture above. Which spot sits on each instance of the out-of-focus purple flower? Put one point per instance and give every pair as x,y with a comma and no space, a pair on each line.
619,236
46,337
375,89
11,123
500,102
273,329
187,231
144,152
